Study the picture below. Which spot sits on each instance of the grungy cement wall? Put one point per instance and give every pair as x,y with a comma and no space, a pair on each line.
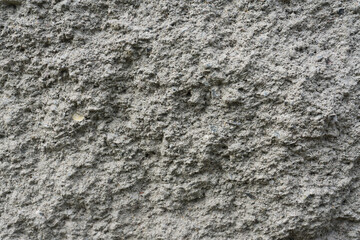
188,119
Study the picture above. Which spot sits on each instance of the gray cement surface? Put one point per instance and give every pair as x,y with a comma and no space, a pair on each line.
204,119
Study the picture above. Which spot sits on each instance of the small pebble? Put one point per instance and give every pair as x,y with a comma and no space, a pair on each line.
341,11
277,135
78,117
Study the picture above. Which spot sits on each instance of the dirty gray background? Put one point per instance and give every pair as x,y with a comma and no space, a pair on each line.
203,119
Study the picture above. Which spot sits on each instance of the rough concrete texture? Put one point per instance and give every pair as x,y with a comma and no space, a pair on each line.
162,119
